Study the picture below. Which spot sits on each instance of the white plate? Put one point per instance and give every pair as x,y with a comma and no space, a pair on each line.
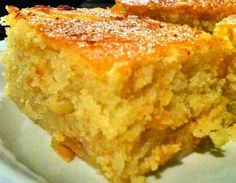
33,156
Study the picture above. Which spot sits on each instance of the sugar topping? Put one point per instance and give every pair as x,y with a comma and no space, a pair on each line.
177,3
106,33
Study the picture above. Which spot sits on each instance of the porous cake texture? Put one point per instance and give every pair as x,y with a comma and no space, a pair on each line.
124,93
226,29
196,13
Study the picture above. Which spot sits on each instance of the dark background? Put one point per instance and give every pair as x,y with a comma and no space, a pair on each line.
29,3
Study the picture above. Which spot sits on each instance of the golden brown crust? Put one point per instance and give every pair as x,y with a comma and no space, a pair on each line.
204,9
101,28
109,37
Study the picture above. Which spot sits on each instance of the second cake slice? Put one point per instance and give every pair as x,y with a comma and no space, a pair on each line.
196,13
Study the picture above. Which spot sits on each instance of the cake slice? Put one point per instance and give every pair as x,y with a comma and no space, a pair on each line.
196,13
124,93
